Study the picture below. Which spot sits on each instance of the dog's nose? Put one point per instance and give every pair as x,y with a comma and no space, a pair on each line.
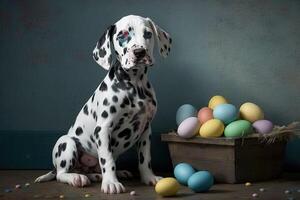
139,53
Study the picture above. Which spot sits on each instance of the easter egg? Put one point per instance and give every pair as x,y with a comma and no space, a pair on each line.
185,111
238,128
215,101
182,172
205,114
226,113
188,127
251,112
167,187
201,181
263,126
212,128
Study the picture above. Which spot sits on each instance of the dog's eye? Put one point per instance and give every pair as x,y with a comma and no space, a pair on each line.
147,34
123,38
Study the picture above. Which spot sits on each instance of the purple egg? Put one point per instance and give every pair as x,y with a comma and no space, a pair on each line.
263,126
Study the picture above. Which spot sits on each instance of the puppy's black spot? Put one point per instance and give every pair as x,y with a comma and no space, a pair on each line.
103,170
79,131
96,57
124,50
112,109
125,133
113,168
126,144
89,144
103,86
145,70
99,142
105,102
56,155
147,34
170,40
144,143
140,103
63,163
86,110
115,99
165,46
148,85
102,160
111,73
149,165
95,115
109,58
93,97
92,139
141,158
102,52
104,114
96,131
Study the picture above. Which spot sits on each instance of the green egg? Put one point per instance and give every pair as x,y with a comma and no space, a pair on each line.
238,128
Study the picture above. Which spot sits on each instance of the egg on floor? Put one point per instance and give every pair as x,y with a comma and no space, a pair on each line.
185,111
182,172
201,181
205,114
212,128
226,113
188,127
216,100
251,112
263,126
167,187
238,128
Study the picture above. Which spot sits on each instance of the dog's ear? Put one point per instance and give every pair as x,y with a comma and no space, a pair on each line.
164,41
102,53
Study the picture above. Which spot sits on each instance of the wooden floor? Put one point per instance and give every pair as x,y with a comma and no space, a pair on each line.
52,190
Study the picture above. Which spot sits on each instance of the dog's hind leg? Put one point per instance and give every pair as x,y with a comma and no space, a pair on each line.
64,159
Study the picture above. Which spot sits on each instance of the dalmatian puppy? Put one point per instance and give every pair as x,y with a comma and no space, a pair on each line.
119,113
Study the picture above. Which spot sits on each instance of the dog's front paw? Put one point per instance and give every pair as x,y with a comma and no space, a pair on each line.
80,180
112,187
150,179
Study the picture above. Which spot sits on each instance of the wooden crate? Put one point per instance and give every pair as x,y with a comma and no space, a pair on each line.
230,160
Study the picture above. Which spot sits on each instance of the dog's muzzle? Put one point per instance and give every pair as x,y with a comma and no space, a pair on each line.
141,56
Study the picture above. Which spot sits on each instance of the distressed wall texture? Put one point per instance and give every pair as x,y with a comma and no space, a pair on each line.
244,50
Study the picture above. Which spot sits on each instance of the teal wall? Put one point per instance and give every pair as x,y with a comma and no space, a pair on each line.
244,50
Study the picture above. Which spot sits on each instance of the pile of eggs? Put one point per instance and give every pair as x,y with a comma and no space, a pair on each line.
186,175
221,117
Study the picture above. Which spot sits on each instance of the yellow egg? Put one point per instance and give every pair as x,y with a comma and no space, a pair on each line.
212,128
251,112
167,187
216,100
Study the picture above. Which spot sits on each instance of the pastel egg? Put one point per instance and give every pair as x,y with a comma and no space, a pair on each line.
251,112
185,111
226,113
201,181
205,114
182,172
238,128
216,100
167,187
188,127
212,128
263,126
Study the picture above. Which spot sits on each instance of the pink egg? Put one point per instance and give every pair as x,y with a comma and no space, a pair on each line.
188,127
263,126
205,114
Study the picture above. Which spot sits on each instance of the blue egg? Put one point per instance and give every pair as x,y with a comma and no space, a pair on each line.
226,113
182,172
185,111
201,181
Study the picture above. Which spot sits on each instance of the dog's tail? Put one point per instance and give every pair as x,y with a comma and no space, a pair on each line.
46,177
